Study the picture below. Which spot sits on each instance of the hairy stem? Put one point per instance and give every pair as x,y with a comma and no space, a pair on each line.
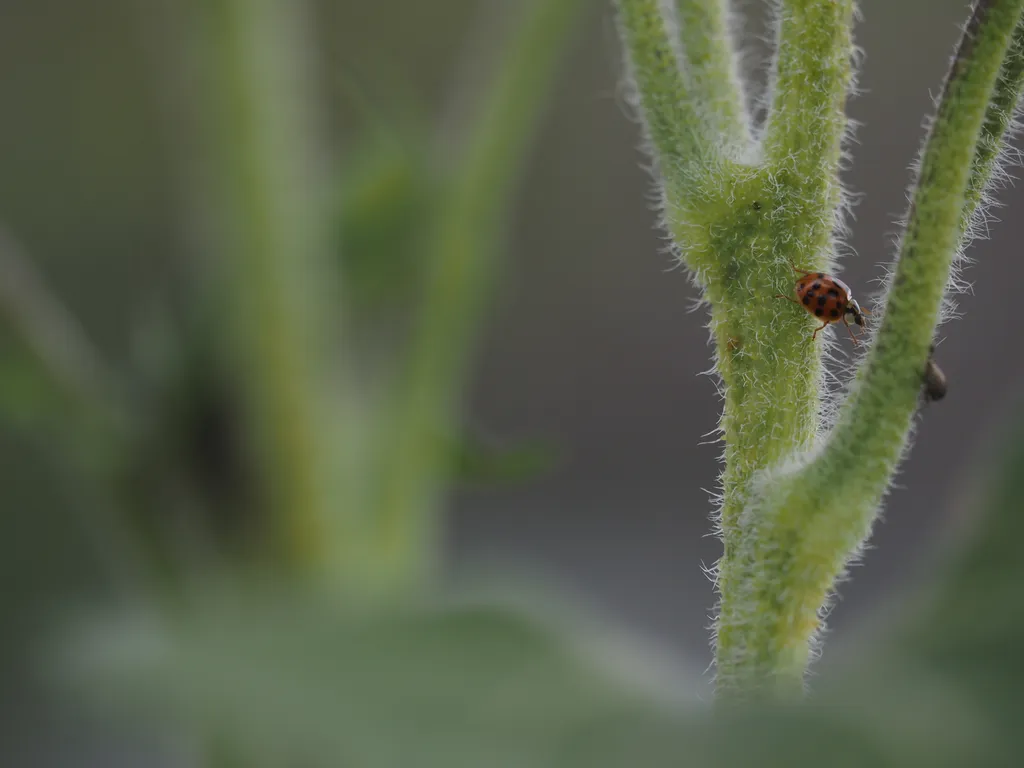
674,124
272,277
810,518
741,228
772,387
456,289
998,121
810,80
711,69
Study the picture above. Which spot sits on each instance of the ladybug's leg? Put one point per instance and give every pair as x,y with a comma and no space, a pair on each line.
852,336
815,334
804,272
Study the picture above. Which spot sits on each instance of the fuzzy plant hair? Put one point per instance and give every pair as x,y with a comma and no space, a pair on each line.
744,205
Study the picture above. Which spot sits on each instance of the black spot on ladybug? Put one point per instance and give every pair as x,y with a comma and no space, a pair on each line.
807,301
821,275
819,312
834,313
834,292
816,285
822,301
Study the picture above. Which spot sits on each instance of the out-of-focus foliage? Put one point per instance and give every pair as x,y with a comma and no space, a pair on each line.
290,679
973,632
284,677
297,675
386,200
482,461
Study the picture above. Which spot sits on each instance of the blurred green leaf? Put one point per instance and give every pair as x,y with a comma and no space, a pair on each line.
286,679
27,398
971,632
480,461
42,407
384,207
277,679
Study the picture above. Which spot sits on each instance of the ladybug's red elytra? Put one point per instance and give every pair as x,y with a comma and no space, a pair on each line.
827,298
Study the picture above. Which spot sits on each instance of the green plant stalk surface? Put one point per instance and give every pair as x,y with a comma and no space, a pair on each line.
742,218
713,69
998,123
810,517
743,215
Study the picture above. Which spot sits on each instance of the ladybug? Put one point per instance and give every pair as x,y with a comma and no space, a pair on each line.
934,381
827,298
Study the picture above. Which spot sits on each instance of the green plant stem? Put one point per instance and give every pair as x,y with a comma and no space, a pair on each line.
773,384
811,516
709,64
60,353
81,405
674,124
271,224
456,290
740,227
998,120
809,85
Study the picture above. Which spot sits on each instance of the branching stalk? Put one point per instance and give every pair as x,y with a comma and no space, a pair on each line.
793,510
812,515
741,228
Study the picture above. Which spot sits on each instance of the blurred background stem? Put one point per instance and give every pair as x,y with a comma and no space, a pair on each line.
269,221
55,379
61,354
461,261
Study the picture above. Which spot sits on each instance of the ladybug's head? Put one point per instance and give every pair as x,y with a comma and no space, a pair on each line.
855,313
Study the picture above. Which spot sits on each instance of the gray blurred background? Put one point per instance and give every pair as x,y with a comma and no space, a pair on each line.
590,343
